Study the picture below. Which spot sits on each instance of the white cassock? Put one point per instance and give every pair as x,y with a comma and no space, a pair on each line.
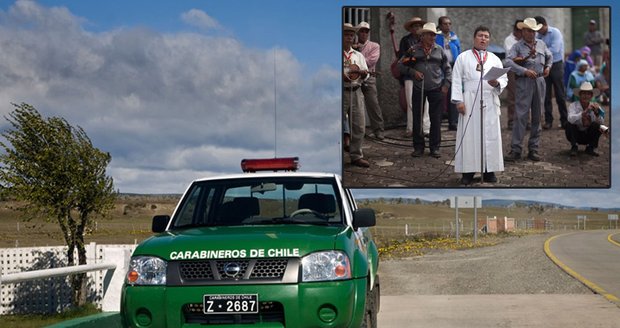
465,85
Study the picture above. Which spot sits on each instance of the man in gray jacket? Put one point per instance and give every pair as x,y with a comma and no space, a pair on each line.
428,65
531,61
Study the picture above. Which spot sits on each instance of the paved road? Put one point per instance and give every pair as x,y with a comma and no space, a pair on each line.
593,257
493,311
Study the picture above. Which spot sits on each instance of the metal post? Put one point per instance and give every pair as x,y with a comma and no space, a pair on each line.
481,130
456,207
579,219
475,220
612,218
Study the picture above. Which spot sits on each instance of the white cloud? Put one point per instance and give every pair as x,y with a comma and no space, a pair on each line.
199,18
168,107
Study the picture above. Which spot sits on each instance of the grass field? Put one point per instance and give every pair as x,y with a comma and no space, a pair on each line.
43,320
438,218
130,221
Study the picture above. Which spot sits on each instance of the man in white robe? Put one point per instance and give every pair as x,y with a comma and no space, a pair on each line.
469,67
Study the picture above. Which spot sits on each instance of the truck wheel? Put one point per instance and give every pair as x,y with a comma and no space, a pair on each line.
370,310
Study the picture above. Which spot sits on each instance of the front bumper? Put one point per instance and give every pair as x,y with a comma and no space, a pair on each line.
319,304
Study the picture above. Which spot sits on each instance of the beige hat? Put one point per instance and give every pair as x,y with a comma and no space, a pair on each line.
413,20
529,23
429,28
348,27
363,25
587,86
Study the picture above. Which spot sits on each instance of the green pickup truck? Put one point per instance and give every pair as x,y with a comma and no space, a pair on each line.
266,249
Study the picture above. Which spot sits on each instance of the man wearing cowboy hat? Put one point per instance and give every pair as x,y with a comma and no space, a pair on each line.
431,72
355,71
585,119
371,51
531,62
409,40
405,46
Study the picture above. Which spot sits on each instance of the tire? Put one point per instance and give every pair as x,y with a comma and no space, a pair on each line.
371,308
377,291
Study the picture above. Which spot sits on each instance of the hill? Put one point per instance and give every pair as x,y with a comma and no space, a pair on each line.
500,203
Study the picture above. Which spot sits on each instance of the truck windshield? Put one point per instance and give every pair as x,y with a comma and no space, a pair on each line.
260,201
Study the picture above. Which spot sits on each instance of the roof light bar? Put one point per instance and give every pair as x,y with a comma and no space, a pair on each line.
270,164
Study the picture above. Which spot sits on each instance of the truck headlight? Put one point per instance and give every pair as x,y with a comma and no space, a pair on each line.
146,270
324,266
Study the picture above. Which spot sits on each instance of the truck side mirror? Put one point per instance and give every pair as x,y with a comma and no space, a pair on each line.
364,217
160,222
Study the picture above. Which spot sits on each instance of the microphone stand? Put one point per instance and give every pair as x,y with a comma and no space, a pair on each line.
481,123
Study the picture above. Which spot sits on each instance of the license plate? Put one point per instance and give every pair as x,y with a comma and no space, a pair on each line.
230,304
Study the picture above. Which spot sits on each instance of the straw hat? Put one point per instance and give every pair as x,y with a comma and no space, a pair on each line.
348,27
429,28
414,20
587,86
529,23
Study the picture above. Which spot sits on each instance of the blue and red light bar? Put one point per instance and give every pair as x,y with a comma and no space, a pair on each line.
270,164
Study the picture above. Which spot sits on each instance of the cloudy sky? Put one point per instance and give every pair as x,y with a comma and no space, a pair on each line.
177,90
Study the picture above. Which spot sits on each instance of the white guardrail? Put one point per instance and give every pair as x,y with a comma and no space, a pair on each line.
115,264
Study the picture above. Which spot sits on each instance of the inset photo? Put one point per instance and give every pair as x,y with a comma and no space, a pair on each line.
476,97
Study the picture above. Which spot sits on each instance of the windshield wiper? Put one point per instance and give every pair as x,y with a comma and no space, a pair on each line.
192,225
288,221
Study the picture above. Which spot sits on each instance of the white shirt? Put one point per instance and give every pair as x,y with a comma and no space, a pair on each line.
509,42
354,57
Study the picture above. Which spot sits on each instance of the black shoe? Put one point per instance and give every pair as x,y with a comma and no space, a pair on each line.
547,126
489,177
452,127
512,157
573,151
417,153
533,155
590,151
379,134
467,179
563,125
435,153
361,162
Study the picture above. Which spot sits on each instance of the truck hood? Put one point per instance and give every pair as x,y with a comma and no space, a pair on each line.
240,242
